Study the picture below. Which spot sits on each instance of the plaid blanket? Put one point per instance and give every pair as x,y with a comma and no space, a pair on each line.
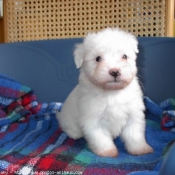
31,141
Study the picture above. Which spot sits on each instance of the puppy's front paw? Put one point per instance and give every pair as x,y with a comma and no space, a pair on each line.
142,149
112,152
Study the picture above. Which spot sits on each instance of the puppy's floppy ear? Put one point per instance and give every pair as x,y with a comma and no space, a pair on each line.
78,55
134,43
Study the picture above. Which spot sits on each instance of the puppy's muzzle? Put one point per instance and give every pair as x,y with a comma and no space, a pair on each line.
115,73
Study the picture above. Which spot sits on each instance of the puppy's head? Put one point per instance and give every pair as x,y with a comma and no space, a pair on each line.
107,58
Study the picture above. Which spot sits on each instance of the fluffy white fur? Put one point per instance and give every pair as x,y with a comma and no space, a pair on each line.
107,102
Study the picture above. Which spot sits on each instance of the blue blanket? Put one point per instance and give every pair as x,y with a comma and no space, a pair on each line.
31,141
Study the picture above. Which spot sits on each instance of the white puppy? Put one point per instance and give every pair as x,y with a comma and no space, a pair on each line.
107,102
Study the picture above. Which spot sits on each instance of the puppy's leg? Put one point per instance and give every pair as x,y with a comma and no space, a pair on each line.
133,134
69,126
101,143
68,117
74,134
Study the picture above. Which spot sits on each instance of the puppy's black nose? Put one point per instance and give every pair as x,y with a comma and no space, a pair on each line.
114,72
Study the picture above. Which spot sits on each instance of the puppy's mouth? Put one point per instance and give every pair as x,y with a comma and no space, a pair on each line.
113,84
115,81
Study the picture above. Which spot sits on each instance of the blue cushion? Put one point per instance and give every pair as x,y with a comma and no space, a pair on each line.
48,66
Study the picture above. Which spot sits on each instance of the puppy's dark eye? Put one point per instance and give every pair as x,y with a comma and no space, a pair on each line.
124,57
98,59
